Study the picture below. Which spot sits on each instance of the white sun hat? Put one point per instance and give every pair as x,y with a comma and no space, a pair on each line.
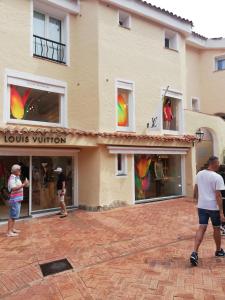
58,170
15,168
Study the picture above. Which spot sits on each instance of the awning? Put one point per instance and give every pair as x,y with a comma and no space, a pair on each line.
144,150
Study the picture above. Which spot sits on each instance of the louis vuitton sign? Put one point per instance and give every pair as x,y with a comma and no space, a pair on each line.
27,139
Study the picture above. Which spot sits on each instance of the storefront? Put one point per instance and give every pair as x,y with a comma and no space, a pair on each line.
38,164
158,173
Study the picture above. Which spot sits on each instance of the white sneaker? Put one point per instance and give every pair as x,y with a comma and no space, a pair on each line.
222,230
12,234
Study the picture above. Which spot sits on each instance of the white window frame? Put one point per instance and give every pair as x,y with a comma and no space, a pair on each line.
216,59
179,97
130,86
173,37
63,16
36,82
128,19
198,104
123,172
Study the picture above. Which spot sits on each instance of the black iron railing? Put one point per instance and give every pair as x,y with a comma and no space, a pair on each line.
49,49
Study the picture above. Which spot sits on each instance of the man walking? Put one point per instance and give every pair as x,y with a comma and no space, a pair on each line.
15,187
61,191
222,173
207,192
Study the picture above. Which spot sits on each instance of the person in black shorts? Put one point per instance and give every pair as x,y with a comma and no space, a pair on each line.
222,173
61,191
207,192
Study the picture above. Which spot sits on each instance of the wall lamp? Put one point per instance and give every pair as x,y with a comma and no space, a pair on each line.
199,135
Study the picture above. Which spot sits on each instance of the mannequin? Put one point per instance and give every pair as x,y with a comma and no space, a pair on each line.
168,114
159,175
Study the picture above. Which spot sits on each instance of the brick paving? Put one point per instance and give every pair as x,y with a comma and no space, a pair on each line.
139,252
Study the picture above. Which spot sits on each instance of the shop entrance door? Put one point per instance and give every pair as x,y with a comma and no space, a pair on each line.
44,181
6,163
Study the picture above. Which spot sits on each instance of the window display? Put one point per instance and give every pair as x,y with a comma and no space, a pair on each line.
170,114
34,105
122,107
157,176
43,183
6,163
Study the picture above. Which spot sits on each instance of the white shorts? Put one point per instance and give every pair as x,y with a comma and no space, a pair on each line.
61,197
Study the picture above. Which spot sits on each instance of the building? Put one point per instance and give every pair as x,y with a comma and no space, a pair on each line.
86,85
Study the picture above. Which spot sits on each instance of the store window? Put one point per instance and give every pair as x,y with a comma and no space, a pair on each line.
6,162
171,114
34,105
48,38
44,181
35,100
125,106
121,166
157,176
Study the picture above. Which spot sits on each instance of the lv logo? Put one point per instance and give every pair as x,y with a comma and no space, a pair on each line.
154,122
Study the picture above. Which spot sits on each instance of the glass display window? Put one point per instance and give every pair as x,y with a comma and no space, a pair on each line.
35,100
125,106
44,181
34,105
41,194
157,176
171,114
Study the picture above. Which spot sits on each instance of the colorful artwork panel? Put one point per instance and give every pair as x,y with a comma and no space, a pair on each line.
122,108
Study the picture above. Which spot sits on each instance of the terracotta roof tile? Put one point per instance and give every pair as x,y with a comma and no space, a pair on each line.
199,36
76,132
166,12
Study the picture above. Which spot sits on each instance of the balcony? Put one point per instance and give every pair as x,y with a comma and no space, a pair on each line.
49,49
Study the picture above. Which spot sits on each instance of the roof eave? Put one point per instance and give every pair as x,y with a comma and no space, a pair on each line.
205,43
152,14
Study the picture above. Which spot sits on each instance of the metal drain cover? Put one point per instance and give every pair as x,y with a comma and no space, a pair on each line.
56,266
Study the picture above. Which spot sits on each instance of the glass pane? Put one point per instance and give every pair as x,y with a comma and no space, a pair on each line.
167,43
54,34
221,64
39,24
34,105
44,181
119,162
6,162
54,30
157,176
123,107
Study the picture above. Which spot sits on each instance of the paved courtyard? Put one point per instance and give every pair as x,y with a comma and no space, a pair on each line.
139,252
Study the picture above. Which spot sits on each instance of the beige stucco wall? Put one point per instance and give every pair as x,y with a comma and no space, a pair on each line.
193,75
203,81
89,177
115,190
80,76
212,83
138,55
